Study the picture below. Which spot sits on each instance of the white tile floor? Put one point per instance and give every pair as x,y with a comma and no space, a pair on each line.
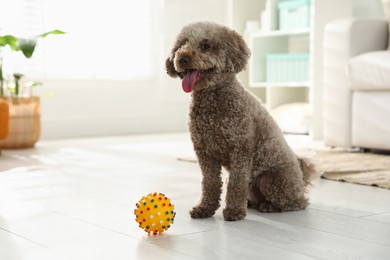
74,199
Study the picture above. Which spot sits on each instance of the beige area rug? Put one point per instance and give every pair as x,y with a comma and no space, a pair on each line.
353,167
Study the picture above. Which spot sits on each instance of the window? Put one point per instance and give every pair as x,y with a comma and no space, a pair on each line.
105,40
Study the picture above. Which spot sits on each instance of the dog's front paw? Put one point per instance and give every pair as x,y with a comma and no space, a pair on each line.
201,212
233,214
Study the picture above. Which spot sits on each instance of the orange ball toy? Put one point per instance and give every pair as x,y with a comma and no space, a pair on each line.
155,213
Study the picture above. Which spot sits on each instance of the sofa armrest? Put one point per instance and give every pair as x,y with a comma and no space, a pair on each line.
343,40
358,35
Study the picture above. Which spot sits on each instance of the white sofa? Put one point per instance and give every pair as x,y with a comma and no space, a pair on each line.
356,87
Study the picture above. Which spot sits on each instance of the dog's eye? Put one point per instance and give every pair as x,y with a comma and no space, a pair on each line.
205,46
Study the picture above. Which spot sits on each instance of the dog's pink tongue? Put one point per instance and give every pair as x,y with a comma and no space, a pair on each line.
189,80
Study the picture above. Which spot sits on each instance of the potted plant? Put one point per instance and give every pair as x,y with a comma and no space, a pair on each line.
19,109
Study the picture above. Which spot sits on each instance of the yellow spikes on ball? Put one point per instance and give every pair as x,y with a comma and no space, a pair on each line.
155,213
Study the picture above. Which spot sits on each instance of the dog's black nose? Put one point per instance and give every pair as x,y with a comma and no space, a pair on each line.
185,60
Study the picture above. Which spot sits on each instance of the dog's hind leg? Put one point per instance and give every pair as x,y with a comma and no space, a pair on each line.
280,194
211,187
256,199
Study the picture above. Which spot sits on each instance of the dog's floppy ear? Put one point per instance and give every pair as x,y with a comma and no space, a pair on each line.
170,68
169,65
237,52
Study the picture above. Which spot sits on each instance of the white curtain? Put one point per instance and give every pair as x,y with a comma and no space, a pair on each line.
105,39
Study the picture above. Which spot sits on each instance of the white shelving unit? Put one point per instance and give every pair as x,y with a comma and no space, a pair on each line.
262,43
274,94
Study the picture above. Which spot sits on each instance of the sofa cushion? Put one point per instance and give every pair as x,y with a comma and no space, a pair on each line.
370,71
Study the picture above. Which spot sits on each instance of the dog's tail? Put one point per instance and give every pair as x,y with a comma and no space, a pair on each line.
309,169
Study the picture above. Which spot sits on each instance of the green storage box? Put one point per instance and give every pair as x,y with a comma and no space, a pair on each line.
287,67
294,14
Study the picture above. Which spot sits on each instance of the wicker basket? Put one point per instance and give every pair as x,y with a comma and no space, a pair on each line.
24,124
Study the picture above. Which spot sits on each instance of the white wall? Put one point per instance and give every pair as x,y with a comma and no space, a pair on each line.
82,109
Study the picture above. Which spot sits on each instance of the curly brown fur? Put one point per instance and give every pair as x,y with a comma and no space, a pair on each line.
231,129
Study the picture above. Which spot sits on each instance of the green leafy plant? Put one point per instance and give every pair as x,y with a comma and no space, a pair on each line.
24,45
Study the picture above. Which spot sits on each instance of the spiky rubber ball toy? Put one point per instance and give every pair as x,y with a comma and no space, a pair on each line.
155,213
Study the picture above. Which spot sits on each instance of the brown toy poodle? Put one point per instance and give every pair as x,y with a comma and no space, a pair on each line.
230,128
